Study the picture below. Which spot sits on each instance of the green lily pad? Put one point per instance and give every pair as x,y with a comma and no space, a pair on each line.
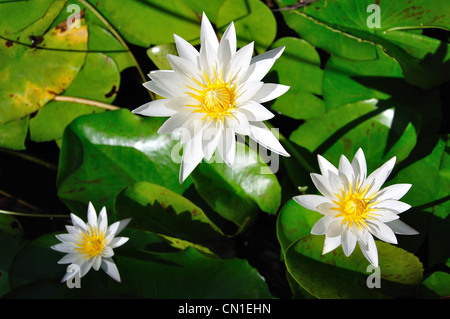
156,209
334,275
299,68
237,193
103,153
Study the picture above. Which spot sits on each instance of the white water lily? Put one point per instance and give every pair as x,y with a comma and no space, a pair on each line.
214,94
355,207
91,245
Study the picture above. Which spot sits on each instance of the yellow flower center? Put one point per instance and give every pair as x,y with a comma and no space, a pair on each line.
354,207
91,243
216,97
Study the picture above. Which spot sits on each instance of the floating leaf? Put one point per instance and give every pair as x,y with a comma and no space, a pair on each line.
237,193
156,209
103,153
334,275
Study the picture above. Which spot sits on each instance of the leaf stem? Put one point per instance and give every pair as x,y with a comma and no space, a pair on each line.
119,38
30,158
73,99
7,212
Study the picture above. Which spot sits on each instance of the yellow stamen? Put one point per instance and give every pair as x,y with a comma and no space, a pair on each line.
355,207
91,243
216,97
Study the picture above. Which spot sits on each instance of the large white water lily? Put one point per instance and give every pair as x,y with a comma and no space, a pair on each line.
355,207
213,94
91,245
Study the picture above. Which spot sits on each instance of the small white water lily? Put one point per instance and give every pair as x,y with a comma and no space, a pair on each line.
214,94
91,245
355,207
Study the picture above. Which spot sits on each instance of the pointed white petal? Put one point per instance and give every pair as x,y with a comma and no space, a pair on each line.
102,220
107,252
261,64
67,238
96,262
331,243
382,231
255,111
379,176
64,247
85,267
176,121
348,242
110,268
227,45
227,146
322,225
192,156
395,191
311,201
117,242
346,168
240,62
401,228
246,91
261,134
78,222
207,33
92,215
359,165
68,259
323,186
326,167
393,205
384,215
269,91
183,67
370,251
185,49
335,228
154,108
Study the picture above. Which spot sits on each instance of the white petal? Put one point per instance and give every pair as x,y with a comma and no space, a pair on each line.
401,228
331,243
311,201
393,205
261,64
323,186
117,242
64,247
211,138
110,268
395,191
183,67
359,165
66,237
379,176
192,156
161,88
185,49
91,215
227,45
240,62
68,259
370,251
207,33
247,91
85,267
384,215
239,123
346,168
348,242
255,111
261,134
335,228
227,146
322,225
270,91
107,252
103,220
78,222
382,231
326,167
173,123
96,262
154,108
